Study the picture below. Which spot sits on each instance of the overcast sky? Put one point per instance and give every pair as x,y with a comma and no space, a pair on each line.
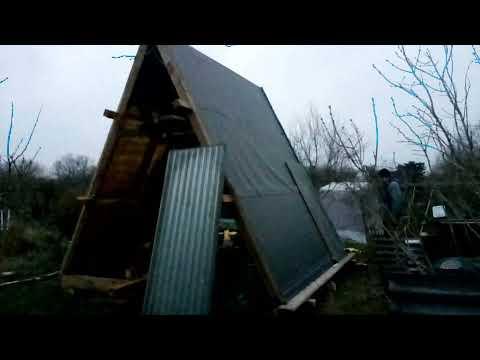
76,83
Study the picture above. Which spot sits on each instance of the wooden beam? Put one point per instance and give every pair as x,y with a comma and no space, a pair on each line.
111,114
228,198
181,105
157,155
31,279
104,201
127,286
169,118
100,284
306,293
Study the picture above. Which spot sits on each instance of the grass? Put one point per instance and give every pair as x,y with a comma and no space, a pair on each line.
358,291
34,250
30,249
355,294
47,298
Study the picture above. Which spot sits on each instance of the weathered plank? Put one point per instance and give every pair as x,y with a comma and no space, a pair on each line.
305,294
228,198
100,284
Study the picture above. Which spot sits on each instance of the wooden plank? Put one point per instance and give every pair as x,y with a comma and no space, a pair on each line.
157,155
130,286
31,279
105,201
114,115
306,293
386,252
141,172
111,114
100,284
181,105
228,198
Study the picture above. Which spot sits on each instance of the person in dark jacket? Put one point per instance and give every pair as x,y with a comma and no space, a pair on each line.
392,196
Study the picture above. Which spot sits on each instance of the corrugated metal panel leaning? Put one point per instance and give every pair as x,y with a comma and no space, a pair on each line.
183,259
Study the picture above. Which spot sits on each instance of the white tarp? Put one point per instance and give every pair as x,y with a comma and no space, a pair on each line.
344,209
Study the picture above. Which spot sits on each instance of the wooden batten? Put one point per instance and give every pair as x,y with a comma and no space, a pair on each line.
181,106
100,284
84,199
104,201
160,150
110,114
228,198
307,293
83,282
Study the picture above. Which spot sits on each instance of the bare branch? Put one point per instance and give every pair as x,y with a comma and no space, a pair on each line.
31,134
10,132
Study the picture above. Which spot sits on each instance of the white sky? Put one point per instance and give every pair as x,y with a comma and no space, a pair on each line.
76,83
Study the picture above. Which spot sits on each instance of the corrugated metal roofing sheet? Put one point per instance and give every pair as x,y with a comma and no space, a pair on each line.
183,259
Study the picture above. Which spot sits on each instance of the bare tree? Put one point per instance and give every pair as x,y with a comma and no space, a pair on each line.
430,124
313,145
14,154
15,162
476,56
316,146
351,141
74,170
438,120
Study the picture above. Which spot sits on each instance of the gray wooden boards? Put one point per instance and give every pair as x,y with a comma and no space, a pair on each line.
182,265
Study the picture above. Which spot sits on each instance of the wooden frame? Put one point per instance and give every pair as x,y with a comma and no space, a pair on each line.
107,153
186,104
183,103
